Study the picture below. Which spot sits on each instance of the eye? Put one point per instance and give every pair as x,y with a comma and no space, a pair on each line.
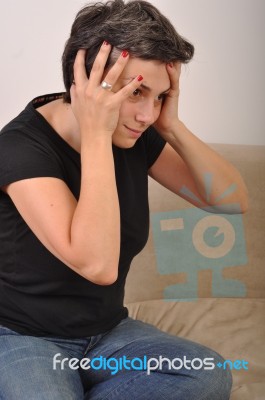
137,93
162,97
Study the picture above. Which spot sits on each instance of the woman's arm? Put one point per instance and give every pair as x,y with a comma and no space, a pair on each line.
84,234
188,166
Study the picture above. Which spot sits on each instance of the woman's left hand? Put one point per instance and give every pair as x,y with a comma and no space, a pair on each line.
168,118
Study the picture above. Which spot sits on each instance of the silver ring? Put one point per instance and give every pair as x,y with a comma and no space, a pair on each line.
105,85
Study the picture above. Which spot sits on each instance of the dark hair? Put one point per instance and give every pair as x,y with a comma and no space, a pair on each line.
136,26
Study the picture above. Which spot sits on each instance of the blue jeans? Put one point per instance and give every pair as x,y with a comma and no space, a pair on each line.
44,368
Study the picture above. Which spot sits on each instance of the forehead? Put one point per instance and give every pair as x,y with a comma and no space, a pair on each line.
154,74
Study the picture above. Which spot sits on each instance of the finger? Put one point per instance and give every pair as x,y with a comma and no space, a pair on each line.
99,63
114,73
127,90
80,75
174,70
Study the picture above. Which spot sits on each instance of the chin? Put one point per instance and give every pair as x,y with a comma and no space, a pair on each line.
123,143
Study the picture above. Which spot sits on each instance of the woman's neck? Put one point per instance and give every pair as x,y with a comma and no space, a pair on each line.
60,116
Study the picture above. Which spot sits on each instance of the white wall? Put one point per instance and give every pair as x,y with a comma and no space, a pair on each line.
222,90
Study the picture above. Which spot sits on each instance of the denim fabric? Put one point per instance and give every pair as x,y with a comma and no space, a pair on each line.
28,370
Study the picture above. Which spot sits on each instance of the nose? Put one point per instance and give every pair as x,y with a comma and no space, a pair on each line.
146,113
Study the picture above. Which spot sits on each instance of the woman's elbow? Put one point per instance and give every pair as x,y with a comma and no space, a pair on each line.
102,274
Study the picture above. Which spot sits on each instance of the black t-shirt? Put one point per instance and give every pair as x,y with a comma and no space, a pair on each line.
39,294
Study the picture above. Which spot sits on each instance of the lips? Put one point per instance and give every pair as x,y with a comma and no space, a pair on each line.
133,132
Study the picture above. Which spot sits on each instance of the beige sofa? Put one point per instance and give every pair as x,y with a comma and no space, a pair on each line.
218,298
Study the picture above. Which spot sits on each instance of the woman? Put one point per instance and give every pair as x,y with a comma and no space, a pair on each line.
74,213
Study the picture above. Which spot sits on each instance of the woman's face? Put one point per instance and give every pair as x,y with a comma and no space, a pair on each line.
143,107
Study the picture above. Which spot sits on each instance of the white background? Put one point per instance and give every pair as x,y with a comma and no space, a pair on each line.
222,89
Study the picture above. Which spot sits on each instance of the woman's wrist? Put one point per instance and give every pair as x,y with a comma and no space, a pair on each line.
179,136
95,140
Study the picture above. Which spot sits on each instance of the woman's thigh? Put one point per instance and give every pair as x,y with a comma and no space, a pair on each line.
27,371
177,367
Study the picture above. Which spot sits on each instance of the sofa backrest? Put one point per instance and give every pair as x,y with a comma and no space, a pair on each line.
192,254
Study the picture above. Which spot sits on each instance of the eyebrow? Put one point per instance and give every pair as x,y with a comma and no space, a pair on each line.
149,89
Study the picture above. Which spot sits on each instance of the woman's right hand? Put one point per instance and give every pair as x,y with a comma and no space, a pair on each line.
97,109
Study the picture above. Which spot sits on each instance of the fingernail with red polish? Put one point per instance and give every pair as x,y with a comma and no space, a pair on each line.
139,78
124,53
106,43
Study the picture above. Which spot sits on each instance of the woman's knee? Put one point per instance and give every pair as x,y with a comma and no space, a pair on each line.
210,378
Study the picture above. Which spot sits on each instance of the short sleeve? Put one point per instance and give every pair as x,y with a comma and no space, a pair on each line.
154,145
23,156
